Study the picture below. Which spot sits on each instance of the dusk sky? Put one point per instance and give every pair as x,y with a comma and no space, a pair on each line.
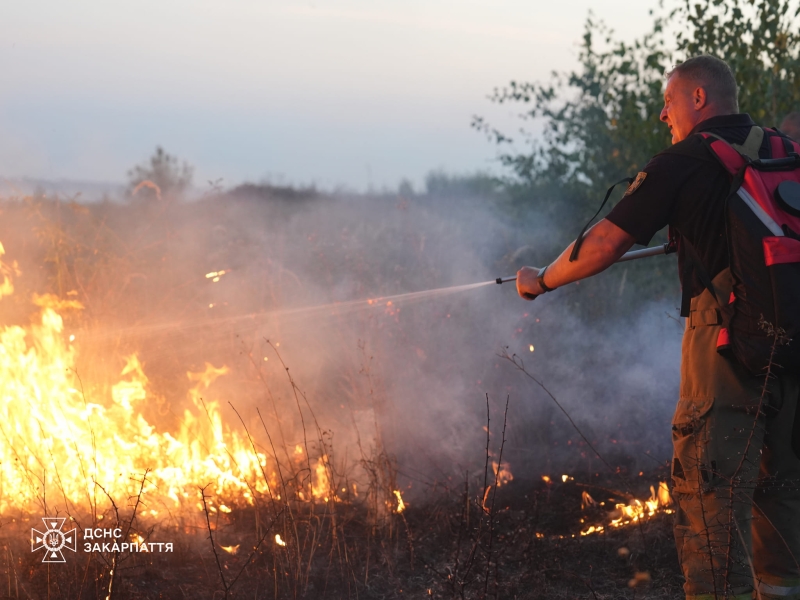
349,93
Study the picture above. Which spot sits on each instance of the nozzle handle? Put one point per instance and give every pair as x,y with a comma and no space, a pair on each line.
668,248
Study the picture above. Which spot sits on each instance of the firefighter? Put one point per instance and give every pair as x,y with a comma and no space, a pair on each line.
735,473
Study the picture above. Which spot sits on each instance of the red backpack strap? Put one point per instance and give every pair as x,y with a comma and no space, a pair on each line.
781,145
725,152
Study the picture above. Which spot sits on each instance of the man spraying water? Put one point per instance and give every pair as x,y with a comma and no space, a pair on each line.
730,193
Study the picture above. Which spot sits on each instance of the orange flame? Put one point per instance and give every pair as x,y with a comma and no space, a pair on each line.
57,442
320,487
401,506
502,472
626,514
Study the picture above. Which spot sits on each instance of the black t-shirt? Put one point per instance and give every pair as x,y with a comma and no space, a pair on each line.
685,188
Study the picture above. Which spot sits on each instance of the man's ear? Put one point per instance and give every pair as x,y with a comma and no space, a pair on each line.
699,98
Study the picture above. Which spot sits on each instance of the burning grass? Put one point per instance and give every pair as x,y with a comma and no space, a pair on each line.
210,445
246,523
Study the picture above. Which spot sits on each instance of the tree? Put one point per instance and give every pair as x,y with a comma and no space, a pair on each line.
601,122
163,175
759,39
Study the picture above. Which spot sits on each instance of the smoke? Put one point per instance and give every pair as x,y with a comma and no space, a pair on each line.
261,282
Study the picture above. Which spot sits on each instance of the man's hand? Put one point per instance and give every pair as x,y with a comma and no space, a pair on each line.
527,284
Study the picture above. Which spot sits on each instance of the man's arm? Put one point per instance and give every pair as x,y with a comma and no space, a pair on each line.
602,246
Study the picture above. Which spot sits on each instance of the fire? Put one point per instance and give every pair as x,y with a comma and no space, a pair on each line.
663,494
401,506
320,488
75,446
626,514
623,514
6,288
502,472
231,549
278,540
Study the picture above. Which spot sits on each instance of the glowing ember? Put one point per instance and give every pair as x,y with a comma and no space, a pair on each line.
545,478
278,540
231,549
401,506
215,275
530,347
639,578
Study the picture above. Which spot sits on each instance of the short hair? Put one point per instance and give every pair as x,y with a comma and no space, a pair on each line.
714,75
791,125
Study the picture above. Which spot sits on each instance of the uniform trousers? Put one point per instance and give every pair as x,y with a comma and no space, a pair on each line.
736,479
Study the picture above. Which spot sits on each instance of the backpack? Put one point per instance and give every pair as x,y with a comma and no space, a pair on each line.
761,318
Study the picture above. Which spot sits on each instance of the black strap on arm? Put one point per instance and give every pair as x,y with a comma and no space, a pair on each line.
576,248
692,264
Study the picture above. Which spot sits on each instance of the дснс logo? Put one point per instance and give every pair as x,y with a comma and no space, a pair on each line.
53,540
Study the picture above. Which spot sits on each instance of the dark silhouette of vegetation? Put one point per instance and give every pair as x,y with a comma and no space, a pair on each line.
163,175
266,191
478,185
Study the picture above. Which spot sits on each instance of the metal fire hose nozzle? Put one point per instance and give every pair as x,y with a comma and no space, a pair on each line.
504,279
667,248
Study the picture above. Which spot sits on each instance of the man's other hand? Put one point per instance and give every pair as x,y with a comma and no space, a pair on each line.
527,284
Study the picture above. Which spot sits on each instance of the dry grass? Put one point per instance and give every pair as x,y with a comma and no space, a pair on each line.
413,555
458,538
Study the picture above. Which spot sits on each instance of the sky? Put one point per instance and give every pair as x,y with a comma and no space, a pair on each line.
350,94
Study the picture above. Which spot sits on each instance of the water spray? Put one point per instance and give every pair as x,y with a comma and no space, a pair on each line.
667,248
338,308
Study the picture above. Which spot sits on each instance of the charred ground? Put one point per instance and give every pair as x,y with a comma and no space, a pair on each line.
447,546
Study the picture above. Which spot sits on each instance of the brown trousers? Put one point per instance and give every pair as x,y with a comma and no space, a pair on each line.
736,478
